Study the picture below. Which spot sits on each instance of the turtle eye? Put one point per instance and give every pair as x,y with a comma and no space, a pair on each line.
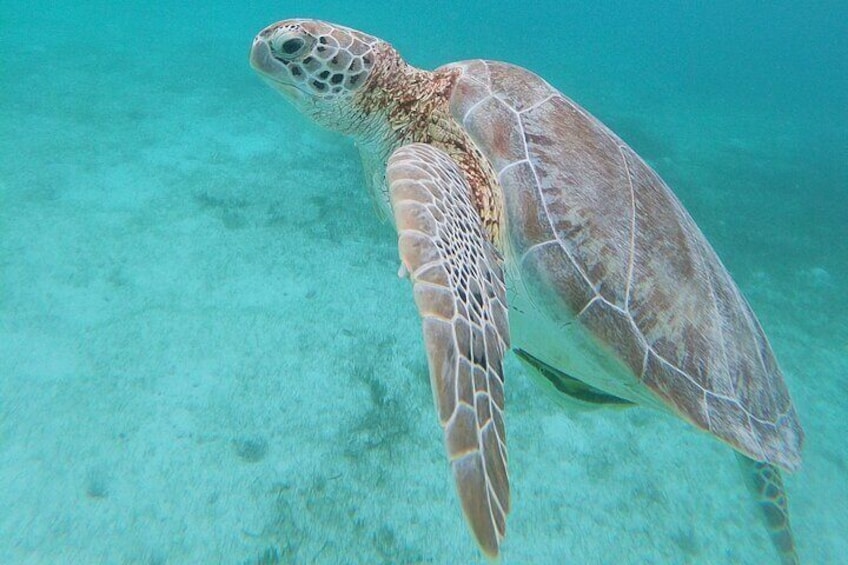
292,46
289,47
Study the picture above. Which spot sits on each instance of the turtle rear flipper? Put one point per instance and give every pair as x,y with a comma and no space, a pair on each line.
460,294
765,483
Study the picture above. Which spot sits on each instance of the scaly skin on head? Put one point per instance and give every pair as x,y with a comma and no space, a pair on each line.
358,85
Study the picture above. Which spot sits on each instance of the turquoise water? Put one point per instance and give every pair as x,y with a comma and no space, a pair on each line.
206,355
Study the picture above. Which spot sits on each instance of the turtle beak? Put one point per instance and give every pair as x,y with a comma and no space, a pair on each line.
261,59
270,69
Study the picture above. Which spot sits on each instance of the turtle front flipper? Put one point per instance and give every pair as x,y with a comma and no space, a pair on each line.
459,290
766,485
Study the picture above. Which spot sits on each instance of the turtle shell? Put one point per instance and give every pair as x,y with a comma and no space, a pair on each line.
597,238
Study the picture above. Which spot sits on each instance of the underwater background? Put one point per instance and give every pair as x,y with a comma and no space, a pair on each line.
206,355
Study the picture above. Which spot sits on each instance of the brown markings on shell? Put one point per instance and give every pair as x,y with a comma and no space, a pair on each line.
677,390
717,369
668,299
691,311
616,330
517,87
586,191
495,126
725,418
525,209
558,287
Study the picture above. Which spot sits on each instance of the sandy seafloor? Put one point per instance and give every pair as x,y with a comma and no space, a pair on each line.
206,355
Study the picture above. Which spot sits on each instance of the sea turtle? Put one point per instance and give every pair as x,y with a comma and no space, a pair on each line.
494,180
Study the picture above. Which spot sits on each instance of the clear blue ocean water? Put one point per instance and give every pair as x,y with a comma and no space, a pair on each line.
206,355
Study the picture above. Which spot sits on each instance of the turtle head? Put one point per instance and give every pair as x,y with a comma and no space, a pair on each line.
316,65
